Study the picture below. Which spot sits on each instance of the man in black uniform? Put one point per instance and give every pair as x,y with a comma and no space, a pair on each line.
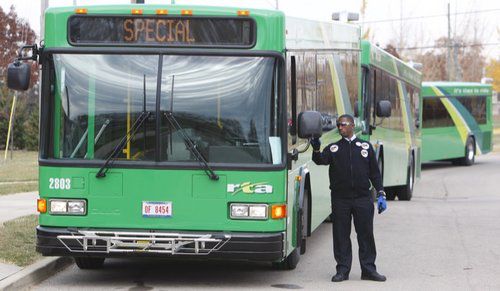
352,165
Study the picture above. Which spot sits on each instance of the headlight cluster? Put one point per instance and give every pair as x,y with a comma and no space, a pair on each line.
248,211
68,206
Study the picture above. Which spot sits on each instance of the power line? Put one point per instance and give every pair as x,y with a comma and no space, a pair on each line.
430,16
447,46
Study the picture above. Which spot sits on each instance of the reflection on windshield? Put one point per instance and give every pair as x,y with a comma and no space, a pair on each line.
226,106
101,96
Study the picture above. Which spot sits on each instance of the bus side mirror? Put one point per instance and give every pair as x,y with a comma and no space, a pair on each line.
384,108
310,124
18,76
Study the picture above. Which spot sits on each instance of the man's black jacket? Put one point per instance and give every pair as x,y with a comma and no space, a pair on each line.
352,166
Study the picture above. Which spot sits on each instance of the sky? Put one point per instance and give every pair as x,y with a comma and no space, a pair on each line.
423,20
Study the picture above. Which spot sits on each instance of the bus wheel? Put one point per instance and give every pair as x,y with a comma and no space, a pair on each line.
390,193
89,263
290,262
406,191
468,159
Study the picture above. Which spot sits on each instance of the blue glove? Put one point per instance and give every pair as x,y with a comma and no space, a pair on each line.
381,203
315,143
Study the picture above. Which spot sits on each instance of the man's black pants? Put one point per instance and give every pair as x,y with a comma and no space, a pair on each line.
361,209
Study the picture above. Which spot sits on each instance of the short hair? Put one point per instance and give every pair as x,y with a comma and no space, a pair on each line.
348,116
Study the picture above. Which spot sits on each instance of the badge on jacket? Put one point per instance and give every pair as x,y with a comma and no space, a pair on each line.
364,153
334,148
365,146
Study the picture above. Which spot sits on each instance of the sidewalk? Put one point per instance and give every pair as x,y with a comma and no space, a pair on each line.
17,205
13,206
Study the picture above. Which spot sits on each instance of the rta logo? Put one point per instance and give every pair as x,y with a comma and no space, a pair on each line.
249,188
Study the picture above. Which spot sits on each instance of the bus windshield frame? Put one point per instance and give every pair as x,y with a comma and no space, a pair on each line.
171,85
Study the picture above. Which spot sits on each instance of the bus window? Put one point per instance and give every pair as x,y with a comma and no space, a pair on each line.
309,101
326,95
476,106
435,114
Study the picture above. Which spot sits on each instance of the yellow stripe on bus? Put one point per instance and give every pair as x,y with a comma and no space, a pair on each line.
406,120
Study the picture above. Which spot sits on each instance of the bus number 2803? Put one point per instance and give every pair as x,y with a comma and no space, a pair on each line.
60,183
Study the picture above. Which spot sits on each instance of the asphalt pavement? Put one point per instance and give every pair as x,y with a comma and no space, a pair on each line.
446,238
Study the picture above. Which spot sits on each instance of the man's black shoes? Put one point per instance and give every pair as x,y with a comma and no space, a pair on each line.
339,277
373,277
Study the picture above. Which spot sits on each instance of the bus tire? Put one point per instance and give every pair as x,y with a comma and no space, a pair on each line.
406,191
470,151
87,263
290,262
390,193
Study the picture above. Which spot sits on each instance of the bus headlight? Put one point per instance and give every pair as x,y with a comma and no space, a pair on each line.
68,206
248,211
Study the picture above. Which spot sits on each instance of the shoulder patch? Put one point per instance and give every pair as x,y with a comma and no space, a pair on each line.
334,148
364,153
365,145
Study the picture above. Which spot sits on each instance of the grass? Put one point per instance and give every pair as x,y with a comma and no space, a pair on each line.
17,241
19,174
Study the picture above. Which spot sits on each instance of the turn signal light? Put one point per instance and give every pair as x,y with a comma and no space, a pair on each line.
186,12
161,11
278,211
81,10
243,13
41,205
137,11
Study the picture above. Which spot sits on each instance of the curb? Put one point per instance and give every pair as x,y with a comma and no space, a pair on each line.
35,273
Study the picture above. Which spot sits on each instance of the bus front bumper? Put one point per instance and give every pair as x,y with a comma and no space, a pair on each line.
84,242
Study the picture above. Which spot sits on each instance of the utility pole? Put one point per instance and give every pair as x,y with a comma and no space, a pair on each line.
448,45
400,24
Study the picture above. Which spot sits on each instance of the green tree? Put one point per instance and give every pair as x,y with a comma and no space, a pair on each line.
15,32
493,71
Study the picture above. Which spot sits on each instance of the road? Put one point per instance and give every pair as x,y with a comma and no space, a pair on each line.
446,238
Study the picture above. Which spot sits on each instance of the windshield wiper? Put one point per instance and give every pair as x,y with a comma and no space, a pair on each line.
191,146
124,140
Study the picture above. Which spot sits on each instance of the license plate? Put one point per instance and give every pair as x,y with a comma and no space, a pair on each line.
156,209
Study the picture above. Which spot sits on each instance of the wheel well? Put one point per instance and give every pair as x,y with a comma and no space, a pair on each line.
307,186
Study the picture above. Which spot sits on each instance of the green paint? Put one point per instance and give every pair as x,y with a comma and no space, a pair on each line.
115,201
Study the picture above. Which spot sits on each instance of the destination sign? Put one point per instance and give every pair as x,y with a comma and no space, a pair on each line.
161,31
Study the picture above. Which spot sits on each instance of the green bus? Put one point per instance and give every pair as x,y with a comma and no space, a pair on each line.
457,121
176,130
182,131
397,139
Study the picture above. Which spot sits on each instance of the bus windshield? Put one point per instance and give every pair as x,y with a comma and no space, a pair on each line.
226,105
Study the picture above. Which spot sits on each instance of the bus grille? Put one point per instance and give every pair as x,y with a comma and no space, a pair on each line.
147,242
